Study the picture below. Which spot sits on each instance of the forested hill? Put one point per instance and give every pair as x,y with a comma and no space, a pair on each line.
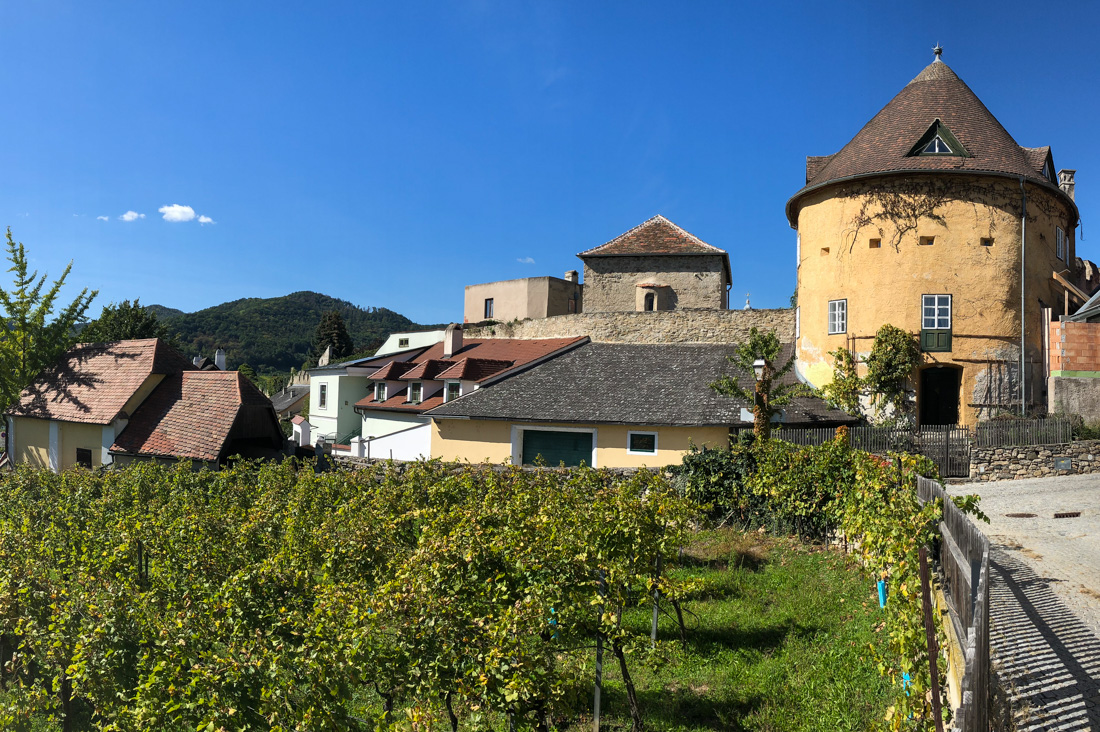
274,334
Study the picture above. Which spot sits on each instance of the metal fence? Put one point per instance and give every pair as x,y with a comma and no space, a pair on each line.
948,445
964,558
1002,433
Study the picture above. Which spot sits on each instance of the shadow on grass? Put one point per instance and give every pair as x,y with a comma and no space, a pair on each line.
708,641
693,707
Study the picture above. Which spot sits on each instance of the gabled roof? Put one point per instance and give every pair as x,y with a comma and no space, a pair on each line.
886,142
193,413
392,371
657,236
634,384
479,360
289,396
92,382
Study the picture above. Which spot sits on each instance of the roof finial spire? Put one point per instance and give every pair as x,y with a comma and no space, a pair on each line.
938,50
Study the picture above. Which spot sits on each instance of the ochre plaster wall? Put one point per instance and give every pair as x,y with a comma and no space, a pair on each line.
75,435
31,442
491,441
885,284
531,297
693,281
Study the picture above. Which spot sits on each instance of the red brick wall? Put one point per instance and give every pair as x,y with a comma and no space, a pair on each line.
1074,346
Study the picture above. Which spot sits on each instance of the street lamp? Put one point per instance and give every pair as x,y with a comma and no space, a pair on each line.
758,366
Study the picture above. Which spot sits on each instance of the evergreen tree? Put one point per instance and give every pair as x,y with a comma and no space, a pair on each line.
332,331
125,321
32,336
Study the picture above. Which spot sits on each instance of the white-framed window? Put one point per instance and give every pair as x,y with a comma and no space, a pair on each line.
402,342
488,307
936,312
380,391
641,443
416,392
937,147
322,396
838,316
797,250
452,391
798,322
1060,243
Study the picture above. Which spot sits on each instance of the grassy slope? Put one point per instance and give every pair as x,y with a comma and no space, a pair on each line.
778,642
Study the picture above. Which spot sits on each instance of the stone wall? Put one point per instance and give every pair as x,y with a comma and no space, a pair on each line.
1074,395
611,283
670,326
1034,461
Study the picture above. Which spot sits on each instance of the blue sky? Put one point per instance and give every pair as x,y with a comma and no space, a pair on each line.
391,153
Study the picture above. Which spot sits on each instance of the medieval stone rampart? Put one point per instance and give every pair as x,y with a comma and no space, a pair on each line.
663,326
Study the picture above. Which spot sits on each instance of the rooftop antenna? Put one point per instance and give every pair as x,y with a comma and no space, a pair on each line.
938,50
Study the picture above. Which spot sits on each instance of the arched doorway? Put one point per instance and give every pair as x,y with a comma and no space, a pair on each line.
939,395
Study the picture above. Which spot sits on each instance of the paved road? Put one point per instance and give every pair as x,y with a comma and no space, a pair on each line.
1045,600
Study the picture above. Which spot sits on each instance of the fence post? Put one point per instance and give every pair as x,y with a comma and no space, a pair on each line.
930,632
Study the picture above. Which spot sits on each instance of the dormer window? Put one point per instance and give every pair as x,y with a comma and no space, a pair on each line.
416,392
1048,172
380,391
454,391
938,140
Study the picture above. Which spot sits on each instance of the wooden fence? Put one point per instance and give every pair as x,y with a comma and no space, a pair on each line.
947,445
964,559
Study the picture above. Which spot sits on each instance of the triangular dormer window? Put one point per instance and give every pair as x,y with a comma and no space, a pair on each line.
937,147
1048,171
938,140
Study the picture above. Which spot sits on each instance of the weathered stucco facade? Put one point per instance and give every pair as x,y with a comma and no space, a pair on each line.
849,249
614,284
670,326
530,297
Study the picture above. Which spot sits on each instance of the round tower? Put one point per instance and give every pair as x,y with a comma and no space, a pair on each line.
930,219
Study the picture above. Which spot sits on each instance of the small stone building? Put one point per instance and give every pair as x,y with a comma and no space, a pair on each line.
655,266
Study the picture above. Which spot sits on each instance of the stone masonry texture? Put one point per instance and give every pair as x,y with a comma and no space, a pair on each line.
666,326
1034,461
695,281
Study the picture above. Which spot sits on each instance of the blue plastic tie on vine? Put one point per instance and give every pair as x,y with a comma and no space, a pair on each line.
882,593
554,624
906,682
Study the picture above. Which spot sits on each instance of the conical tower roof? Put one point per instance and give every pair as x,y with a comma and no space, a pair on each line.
937,103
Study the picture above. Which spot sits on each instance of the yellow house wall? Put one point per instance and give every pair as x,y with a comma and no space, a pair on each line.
885,285
491,441
73,435
31,442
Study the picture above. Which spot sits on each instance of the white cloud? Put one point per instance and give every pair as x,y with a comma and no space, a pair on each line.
206,220
526,260
131,216
103,218
177,213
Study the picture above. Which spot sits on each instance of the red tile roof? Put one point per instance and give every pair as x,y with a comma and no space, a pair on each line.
191,415
885,143
475,369
93,381
487,357
392,371
657,236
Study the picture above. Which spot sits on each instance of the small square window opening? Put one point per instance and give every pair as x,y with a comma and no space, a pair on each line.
927,241
875,244
824,251
84,458
642,443
987,241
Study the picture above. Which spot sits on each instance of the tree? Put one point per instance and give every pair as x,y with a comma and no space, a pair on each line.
125,321
30,340
331,331
767,396
893,359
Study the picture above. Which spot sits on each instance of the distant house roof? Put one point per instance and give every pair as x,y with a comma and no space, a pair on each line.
938,98
366,361
289,396
478,360
657,237
634,384
196,414
393,370
93,381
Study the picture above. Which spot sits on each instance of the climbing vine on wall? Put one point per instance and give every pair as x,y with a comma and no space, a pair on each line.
893,359
843,391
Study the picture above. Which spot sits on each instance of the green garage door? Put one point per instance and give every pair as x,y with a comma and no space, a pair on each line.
556,448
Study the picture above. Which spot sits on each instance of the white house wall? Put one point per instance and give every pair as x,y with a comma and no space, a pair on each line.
410,444
379,423
416,340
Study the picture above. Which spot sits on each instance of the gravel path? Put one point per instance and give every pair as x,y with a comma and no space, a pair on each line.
1045,599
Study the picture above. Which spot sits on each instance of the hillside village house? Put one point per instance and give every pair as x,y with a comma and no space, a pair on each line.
393,425
530,297
918,222
138,399
407,340
608,405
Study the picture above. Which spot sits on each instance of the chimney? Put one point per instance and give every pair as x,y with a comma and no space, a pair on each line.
572,276
1065,182
196,360
219,359
452,340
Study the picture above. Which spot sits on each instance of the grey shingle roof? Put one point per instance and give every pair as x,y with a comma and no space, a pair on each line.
286,398
613,383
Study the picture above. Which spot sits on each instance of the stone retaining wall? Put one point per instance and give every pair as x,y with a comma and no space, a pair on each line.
663,326
1033,461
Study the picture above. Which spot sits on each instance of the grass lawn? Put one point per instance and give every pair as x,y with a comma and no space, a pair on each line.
777,641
